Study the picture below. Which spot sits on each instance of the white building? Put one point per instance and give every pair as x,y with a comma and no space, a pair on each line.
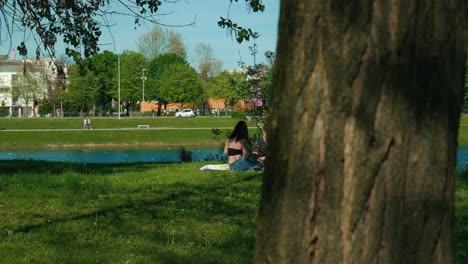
44,71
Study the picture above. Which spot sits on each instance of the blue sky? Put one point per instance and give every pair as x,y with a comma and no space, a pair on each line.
206,14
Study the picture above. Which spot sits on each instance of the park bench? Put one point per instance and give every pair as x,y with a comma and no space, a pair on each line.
143,126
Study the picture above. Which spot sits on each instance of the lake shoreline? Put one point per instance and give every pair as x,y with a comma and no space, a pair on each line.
116,146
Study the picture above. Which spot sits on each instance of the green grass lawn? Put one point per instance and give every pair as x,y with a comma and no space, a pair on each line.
68,133
107,123
463,131
173,132
141,213
106,138
460,245
125,213
138,213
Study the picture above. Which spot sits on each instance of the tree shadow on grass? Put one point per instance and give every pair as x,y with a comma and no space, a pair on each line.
460,234
224,213
8,167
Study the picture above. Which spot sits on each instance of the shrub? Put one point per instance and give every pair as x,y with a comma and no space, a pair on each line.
185,155
462,174
4,111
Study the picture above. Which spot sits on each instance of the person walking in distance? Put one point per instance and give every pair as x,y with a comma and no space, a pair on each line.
85,123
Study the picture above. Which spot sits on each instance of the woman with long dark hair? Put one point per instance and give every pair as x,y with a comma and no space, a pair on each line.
236,149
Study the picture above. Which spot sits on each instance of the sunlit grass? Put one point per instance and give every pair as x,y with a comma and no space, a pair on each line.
172,131
460,243
140,213
107,122
119,138
463,135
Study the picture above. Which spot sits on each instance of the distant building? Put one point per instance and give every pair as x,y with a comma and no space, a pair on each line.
44,71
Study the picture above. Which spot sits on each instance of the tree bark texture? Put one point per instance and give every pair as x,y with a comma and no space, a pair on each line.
366,104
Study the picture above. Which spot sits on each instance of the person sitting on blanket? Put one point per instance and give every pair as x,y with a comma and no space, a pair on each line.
259,148
236,149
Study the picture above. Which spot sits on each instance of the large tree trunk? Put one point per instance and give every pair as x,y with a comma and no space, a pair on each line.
365,115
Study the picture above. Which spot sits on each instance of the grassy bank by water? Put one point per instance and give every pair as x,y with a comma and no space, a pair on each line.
125,213
141,213
111,133
49,132
109,123
463,131
106,138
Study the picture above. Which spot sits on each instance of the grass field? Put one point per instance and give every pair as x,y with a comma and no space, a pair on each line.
108,123
163,131
140,213
21,133
463,131
460,241
125,213
106,139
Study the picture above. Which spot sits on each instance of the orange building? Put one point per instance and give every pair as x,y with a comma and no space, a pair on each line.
211,104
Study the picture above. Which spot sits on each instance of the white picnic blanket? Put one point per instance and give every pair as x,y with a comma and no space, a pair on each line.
215,167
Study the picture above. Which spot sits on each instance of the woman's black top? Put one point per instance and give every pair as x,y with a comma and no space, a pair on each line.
234,152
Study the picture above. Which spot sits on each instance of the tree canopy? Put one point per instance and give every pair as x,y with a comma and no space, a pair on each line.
131,68
83,90
80,23
26,87
180,83
228,86
104,65
159,41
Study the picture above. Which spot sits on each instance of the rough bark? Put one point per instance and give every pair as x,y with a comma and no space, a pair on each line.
366,110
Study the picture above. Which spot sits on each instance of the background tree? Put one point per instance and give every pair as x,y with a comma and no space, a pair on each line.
175,44
83,91
179,83
155,69
131,89
25,87
158,41
63,65
231,87
266,86
366,104
208,66
46,78
153,43
103,66
256,75
78,22
261,92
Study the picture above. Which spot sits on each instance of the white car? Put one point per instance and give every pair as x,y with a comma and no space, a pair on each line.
185,113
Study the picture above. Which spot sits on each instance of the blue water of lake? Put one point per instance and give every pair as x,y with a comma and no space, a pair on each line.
105,156
130,156
462,157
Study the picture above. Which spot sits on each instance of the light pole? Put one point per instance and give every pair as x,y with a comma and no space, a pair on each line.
143,78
